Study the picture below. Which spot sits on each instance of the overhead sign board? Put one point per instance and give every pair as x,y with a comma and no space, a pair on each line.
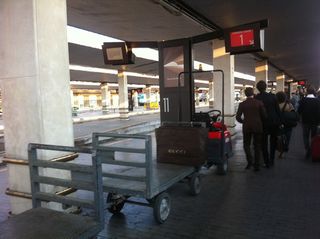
302,82
117,53
244,39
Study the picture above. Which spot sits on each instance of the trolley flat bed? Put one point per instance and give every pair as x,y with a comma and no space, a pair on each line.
129,169
164,175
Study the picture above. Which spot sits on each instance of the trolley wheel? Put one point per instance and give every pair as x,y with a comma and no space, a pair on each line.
162,207
195,184
222,168
116,201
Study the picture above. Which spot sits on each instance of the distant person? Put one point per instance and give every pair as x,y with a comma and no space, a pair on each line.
285,106
251,113
294,100
270,125
309,109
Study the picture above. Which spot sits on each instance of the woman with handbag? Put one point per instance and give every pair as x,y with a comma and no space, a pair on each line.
289,117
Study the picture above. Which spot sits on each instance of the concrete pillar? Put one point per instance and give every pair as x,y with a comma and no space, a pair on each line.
290,86
105,98
135,99
123,95
36,84
225,62
196,96
242,94
261,72
294,87
280,82
211,94
147,90
157,97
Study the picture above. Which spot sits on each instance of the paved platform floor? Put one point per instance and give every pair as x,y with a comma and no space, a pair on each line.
280,202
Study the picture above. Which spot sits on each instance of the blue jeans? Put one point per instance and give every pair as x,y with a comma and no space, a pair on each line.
287,132
269,142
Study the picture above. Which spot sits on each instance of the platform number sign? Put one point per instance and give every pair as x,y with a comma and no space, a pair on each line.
243,39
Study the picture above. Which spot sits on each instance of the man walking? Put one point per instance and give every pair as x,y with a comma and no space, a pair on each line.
309,109
271,123
253,113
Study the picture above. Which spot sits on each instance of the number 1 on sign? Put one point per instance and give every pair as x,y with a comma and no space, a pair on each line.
241,39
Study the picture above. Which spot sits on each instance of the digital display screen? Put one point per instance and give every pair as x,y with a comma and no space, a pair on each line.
242,38
117,53
114,53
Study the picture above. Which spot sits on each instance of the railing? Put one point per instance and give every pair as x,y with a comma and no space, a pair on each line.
106,154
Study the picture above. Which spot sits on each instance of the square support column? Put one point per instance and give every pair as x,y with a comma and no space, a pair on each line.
225,62
211,94
35,84
261,72
294,87
148,91
280,82
135,99
123,95
105,98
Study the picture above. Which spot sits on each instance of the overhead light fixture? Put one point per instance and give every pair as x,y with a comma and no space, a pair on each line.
117,53
201,81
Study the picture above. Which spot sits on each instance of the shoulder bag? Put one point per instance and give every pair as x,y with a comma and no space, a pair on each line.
291,118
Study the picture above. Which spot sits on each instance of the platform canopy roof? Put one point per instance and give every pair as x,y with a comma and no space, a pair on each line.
291,39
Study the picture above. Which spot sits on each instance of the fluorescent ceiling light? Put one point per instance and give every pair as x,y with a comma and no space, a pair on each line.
109,71
136,86
129,85
250,86
244,76
202,81
140,75
84,83
93,69
146,53
86,38
238,85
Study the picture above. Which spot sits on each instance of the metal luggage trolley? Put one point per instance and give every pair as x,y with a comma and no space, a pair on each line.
128,170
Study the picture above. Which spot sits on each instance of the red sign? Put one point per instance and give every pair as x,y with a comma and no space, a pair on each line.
301,82
242,38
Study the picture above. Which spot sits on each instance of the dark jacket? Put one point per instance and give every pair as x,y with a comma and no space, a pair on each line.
309,109
273,119
253,113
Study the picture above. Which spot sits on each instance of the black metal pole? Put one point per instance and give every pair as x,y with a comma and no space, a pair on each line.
196,72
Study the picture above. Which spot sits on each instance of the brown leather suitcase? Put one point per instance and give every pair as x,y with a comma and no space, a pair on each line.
182,145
